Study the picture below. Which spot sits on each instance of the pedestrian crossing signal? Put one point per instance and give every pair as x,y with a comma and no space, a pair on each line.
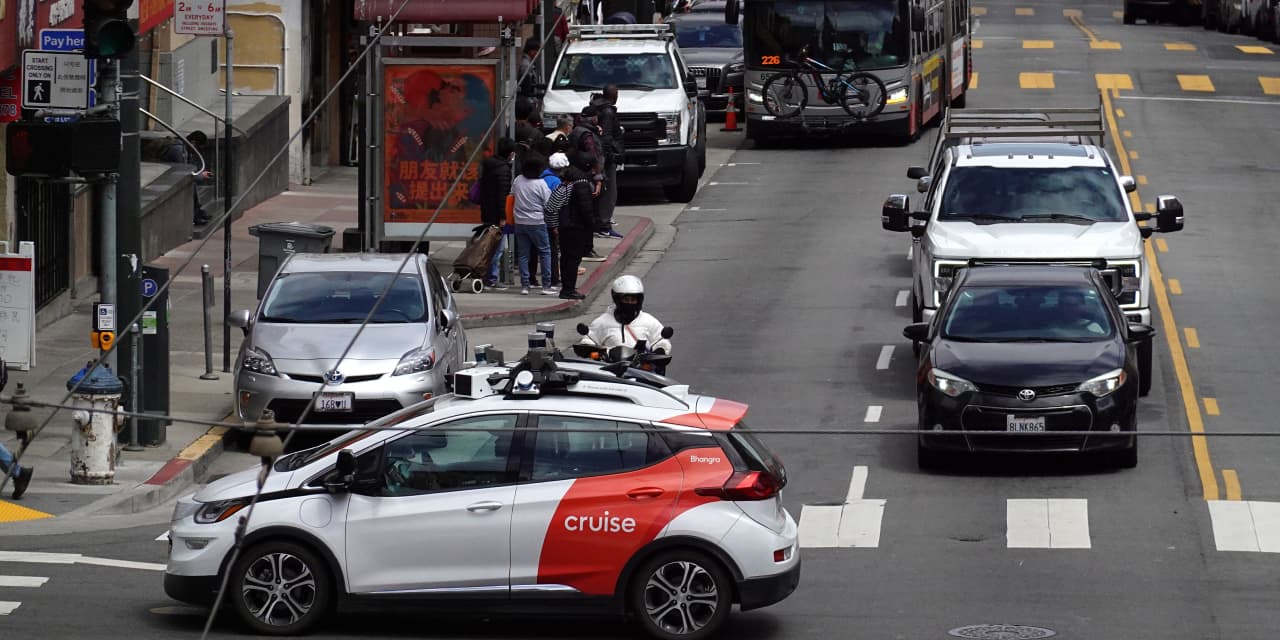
102,340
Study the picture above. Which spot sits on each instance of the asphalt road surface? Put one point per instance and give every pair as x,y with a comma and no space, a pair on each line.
786,294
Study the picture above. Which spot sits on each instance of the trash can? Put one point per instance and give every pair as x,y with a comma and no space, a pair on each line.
278,239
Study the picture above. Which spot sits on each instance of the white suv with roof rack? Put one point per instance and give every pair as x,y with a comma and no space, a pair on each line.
663,121
1028,186
538,483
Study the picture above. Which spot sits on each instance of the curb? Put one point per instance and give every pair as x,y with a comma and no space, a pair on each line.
189,467
613,264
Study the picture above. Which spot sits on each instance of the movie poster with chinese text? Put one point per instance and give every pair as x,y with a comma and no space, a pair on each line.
434,117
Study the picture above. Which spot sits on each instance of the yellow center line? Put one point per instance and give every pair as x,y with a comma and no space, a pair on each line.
1233,483
1195,422
1075,19
1162,245
1142,180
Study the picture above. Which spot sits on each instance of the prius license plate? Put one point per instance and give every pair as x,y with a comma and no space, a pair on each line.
334,402
1025,423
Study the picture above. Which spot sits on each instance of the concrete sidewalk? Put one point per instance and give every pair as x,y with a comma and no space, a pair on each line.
163,469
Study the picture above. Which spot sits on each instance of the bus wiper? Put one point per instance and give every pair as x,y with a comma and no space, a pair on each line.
1068,217
635,85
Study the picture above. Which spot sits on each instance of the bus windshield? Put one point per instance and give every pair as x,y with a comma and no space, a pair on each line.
842,34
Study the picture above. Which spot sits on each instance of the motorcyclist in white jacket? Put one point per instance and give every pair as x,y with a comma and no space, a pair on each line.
624,323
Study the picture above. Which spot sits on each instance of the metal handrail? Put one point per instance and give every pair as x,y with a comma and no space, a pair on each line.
203,165
189,102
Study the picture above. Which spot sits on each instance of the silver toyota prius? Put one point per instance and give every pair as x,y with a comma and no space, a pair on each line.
310,313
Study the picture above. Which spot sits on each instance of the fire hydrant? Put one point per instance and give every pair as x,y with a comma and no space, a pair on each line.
93,445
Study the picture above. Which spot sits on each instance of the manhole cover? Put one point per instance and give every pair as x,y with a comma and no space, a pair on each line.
1001,632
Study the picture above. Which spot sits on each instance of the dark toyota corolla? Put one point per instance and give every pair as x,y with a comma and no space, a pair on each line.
1022,348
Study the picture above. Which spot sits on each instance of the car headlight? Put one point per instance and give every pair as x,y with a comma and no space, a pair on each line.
897,96
944,273
212,512
1104,384
673,126
183,508
737,67
416,361
949,384
258,361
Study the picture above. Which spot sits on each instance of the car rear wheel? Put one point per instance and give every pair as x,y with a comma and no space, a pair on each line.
280,588
681,595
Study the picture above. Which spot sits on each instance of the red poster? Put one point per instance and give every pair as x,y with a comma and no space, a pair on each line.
434,116
10,102
153,12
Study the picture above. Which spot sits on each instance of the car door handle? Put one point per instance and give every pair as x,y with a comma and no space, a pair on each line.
644,493
488,505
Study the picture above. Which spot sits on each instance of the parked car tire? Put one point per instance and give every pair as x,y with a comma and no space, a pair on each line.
1129,16
305,588
685,582
687,188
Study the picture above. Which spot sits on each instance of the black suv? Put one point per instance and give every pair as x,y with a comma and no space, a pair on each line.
713,51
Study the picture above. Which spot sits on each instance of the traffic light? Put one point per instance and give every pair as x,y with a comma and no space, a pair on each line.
55,150
107,33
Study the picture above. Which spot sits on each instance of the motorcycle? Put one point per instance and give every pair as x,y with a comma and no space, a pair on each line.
638,358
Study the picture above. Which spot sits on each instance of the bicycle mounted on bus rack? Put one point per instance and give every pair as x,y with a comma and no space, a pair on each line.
862,95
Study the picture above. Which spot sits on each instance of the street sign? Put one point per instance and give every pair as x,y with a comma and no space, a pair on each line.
62,39
104,316
198,17
149,287
18,306
54,80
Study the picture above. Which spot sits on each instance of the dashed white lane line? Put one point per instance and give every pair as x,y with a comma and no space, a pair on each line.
1048,524
1246,525
7,607
886,354
727,184
873,413
911,251
902,299
22,581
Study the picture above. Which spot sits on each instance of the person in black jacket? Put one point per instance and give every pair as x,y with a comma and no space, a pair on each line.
577,222
611,143
495,184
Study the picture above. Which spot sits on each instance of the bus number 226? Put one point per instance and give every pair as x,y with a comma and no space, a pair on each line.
770,59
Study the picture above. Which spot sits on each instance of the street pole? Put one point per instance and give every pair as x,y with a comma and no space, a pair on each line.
110,92
948,32
226,207
128,215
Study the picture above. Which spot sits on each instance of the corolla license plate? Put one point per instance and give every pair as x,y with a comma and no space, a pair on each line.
702,82
334,402
1025,423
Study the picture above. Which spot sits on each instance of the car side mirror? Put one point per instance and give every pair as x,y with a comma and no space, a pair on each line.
893,216
1129,184
1168,214
1141,332
448,319
917,18
923,184
667,332
691,85
344,473
915,173
240,319
918,332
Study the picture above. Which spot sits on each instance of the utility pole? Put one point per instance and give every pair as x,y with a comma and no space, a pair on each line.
227,195
948,32
110,95
128,212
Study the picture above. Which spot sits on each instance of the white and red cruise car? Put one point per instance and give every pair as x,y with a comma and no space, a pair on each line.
530,485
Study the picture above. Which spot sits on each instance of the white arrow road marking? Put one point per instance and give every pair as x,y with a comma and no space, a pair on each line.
1047,524
856,523
886,354
1246,525
7,607
902,298
22,581
75,558
162,537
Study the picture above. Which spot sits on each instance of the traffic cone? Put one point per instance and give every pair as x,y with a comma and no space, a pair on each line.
731,115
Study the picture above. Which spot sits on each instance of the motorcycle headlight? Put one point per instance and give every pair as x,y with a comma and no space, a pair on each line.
258,361
897,96
949,384
673,126
1104,384
212,512
416,361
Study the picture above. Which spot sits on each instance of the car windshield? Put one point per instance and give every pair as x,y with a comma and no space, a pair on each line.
842,34
995,194
592,71
344,297
707,35
1028,314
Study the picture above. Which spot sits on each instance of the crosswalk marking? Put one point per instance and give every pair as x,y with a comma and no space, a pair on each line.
1179,46
1114,81
1047,523
1193,82
1028,80
1246,525
40,557
854,524
1253,48
22,581
7,607
1037,44
1270,86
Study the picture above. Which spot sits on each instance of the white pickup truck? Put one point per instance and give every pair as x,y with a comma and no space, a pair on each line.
1028,186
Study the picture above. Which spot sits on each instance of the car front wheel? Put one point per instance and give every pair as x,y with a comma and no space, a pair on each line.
280,588
681,595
